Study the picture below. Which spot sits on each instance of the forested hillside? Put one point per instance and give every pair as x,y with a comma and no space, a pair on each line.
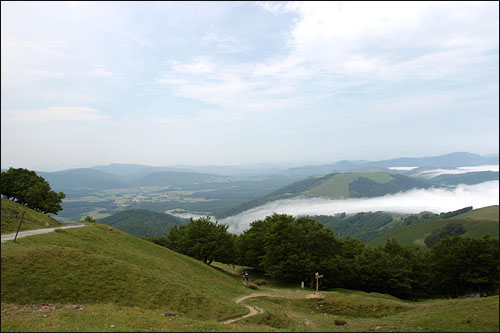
143,223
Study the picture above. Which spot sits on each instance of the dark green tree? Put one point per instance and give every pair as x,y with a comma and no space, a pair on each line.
31,190
464,264
203,239
296,248
250,244
89,219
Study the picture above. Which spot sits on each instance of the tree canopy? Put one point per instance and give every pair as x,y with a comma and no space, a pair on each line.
31,190
294,248
203,239
290,248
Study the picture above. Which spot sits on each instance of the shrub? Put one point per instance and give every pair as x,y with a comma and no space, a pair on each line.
340,322
89,219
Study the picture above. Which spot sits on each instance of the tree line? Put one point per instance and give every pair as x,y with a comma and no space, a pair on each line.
31,190
293,249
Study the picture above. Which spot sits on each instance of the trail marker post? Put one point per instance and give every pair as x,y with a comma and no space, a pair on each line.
317,276
19,227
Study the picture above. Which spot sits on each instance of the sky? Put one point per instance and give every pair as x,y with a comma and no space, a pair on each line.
434,200
229,83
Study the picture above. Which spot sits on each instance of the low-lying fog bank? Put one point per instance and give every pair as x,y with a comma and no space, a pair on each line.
435,200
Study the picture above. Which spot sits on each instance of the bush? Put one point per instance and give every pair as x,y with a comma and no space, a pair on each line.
89,219
340,322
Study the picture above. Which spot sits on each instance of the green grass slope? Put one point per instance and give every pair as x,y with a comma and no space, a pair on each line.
143,223
337,186
96,265
477,223
98,280
488,213
11,213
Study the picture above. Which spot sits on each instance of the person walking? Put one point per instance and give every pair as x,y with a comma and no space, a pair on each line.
244,274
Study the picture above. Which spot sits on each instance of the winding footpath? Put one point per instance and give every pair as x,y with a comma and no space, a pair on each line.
40,231
253,309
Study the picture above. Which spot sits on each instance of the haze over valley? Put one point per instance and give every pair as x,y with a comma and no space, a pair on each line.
436,184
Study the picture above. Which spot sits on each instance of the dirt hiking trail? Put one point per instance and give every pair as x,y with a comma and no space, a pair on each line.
253,309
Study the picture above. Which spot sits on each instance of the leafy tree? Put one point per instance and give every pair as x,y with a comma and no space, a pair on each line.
89,219
250,244
295,248
291,248
463,264
31,190
203,239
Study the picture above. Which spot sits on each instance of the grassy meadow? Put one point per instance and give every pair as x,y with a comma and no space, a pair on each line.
477,223
11,213
338,185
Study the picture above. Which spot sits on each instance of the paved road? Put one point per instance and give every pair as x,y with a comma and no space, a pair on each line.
40,231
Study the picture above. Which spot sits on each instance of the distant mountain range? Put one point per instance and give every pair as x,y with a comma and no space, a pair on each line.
461,159
219,190
127,172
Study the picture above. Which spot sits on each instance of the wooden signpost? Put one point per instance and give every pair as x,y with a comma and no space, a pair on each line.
317,280
19,227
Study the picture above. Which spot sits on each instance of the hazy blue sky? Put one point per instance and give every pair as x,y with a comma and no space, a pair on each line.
163,83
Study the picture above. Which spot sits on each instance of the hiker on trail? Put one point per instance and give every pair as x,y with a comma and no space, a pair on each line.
244,273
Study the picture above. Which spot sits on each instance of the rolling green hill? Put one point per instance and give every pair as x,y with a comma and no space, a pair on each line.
477,223
336,186
487,213
98,280
143,223
11,215
94,265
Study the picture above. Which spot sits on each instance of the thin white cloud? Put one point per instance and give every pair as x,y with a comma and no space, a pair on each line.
456,171
402,168
225,42
233,87
46,74
392,40
435,200
199,66
100,71
53,114
359,41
